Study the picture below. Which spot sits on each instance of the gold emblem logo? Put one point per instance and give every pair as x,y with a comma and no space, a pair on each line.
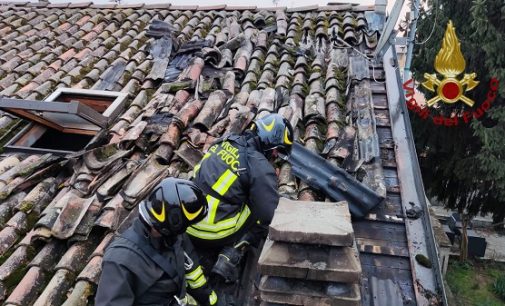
450,62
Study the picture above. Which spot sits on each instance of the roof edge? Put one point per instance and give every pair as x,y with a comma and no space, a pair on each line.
420,233
168,6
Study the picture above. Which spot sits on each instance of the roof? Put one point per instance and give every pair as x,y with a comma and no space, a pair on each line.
58,214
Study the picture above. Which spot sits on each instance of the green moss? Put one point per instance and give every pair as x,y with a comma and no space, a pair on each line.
85,70
341,76
305,89
105,152
124,45
32,218
298,36
110,45
270,21
26,206
13,280
275,62
253,85
423,261
6,255
127,75
149,93
326,25
4,195
9,131
143,40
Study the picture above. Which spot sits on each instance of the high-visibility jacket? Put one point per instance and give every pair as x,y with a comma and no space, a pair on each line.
131,277
239,183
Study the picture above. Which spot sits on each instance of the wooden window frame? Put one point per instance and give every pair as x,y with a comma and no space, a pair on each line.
78,102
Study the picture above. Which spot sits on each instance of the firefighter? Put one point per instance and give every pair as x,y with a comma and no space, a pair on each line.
241,188
153,260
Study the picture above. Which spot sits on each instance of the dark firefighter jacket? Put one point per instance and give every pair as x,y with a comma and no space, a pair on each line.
130,277
239,182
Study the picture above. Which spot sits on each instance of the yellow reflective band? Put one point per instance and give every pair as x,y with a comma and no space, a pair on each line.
213,203
197,283
224,182
268,127
161,216
221,229
189,215
286,138
212,298
195,274
221,186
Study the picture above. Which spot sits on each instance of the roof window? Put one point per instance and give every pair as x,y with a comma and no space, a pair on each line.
64,122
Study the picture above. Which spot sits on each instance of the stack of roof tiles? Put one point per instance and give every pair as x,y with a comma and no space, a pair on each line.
309,258
227,66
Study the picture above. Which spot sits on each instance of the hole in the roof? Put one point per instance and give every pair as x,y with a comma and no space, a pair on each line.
55,140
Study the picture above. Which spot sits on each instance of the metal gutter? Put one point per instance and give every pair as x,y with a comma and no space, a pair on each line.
419,231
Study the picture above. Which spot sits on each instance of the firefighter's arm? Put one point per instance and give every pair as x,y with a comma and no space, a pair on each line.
263,194
116,286
196,281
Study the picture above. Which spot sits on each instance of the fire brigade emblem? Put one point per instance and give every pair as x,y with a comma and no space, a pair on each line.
450,63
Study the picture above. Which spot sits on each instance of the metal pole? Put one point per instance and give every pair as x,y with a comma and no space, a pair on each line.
414,7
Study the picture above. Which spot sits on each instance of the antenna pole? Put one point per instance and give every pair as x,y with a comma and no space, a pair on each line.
414,8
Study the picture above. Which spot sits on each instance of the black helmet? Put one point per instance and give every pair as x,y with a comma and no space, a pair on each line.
274,132
173,205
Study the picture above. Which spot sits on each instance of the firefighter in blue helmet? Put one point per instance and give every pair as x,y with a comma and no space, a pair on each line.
153,261
241,188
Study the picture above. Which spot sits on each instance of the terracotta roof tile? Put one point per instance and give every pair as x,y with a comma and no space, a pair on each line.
28,288
80,294
104,6
58,5
80,5
52,294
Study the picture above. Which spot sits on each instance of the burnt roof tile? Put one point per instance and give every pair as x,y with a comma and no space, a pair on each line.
135,188
71,205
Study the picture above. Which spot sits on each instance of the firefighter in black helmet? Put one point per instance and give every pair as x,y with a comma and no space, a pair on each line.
153,262
241,188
